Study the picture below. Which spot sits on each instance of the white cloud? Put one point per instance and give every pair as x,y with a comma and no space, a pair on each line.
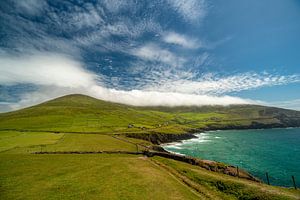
154,98
214,85
190,10
182,40
44,69
133,97
154,53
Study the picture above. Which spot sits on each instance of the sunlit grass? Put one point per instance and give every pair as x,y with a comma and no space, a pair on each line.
86,177
227,187
14,139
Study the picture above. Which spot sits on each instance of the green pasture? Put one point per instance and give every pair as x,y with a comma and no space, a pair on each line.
86,177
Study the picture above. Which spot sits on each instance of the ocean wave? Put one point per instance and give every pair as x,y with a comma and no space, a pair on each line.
200,138
173,147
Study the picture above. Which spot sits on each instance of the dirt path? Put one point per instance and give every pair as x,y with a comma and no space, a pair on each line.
202,192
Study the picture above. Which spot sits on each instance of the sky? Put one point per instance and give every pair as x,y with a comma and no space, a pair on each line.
148,53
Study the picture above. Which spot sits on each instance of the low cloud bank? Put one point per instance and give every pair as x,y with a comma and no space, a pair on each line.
57,75
153,98
133,97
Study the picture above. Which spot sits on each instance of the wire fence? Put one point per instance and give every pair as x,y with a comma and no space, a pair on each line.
267,176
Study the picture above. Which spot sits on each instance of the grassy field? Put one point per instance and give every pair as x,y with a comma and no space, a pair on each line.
220,186
115,176
30,142
86,177
83,124
14,139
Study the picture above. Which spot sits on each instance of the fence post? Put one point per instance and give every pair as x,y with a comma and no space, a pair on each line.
237,171
267,175
294,182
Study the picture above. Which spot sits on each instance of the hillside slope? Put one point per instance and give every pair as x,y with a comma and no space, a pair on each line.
79,113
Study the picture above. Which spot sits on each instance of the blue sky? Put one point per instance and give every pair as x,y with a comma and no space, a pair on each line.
159,52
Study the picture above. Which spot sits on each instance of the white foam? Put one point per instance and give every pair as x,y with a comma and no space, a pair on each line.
174,147
200,138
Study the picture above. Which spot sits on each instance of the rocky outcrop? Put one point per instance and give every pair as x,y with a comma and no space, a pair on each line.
159,138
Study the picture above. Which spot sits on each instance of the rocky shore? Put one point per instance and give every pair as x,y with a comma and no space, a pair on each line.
159,138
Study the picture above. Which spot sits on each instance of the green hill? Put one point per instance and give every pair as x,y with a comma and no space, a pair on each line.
77,147
79,113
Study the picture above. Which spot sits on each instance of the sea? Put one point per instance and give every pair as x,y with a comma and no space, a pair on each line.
260,151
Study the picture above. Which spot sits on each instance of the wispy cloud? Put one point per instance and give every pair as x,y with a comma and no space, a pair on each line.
190,10
153,52
216,85
67,30
182,40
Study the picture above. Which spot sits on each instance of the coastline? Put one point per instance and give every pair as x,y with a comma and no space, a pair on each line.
207,131
157,138
174,143
256,165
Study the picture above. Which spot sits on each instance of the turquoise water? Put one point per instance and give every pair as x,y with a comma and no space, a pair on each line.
276,151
